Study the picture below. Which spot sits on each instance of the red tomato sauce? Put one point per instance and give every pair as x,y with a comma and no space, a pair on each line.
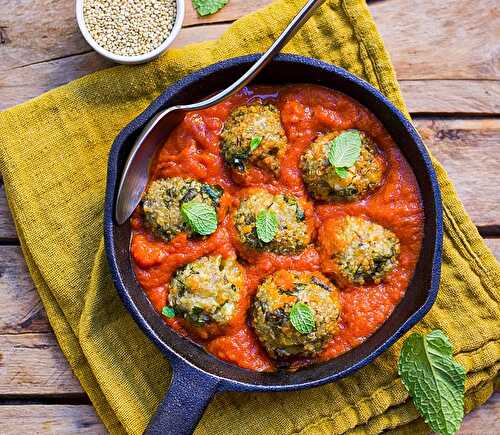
192,151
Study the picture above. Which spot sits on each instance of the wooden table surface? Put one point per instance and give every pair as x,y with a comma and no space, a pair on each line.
447,57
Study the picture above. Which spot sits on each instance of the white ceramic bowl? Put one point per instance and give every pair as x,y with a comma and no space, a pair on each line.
179,18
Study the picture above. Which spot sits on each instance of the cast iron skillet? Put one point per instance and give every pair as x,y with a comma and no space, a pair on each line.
197,375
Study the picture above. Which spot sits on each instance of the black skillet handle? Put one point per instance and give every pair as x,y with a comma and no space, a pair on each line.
182,407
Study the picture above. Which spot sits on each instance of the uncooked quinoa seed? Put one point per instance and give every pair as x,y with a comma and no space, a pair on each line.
129,27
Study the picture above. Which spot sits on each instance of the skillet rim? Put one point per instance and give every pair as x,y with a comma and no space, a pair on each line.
228,383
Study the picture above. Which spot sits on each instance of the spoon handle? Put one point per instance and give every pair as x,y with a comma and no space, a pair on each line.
292,28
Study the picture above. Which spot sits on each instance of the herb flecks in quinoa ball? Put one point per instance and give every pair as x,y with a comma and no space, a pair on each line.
325,184
273,305
163,200
207,290
361,250
253,134
292,234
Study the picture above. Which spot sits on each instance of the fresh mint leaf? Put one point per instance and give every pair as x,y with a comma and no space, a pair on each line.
201,217
168,312
345,149
434,379
341,172
302,318
208,7
255,142
267,225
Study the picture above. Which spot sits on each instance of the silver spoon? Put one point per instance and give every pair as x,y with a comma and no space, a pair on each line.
136,171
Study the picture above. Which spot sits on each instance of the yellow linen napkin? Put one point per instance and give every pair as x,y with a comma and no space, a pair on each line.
53,153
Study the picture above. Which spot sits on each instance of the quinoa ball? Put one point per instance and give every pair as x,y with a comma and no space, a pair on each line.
272,306
246,123
207,290
362,251
293,233
322,181
163,200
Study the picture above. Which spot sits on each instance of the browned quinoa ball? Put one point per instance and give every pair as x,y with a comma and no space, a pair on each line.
293,233
248,122
361,251
324,184
271,313
207,290
163,200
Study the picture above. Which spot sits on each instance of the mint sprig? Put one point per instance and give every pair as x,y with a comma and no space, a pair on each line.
302,318
201,217
434,380
344,151
255,142
208,7
168,312
266,225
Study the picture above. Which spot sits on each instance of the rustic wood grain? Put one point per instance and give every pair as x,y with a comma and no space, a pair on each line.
49,419
66,419
21,310
7,230
462,46
451,96
441,39
494,245
421,96
484,420
467,148
34,364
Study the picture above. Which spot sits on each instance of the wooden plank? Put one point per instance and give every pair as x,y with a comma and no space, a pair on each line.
451,96
483,420
421,96
37,30
7,229
31,361
49,419
82,419
494,245
33,62
21,310
468,149
441,40
33,364
468,41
